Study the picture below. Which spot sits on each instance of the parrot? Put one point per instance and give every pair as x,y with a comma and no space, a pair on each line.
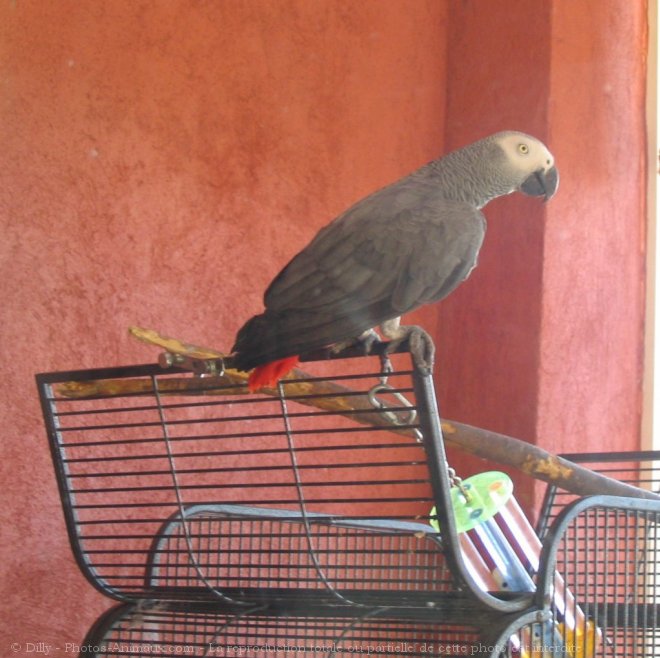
408,244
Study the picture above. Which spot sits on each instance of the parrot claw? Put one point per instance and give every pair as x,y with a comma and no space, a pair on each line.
420,344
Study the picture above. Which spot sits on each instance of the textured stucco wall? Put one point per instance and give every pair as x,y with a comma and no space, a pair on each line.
488,332
594,244
160,161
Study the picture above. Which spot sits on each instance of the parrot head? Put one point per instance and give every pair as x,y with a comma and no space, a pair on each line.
530,164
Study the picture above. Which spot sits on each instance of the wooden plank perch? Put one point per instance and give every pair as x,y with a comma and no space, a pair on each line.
499,448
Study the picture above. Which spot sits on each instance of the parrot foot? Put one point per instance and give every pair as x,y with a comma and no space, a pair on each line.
420,343
422,349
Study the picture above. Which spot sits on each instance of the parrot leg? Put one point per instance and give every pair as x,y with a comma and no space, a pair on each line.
421,344
366,339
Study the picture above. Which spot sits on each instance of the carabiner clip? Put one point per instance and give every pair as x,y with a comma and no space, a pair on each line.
392,417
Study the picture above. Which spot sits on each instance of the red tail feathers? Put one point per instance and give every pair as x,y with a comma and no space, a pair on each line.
271,373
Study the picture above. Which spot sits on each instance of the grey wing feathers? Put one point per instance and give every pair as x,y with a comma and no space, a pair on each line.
403,261
446,252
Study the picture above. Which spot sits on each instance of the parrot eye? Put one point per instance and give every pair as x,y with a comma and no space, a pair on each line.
523,148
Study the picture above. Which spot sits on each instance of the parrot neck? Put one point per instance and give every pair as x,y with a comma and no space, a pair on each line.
466,175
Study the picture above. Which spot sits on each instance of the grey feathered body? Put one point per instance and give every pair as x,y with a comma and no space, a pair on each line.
409,244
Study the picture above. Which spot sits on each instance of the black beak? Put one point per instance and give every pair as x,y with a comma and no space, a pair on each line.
541,183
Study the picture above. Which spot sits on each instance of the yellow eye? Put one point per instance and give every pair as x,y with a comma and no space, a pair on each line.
523,148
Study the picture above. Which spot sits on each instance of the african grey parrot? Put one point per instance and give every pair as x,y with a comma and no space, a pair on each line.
408,244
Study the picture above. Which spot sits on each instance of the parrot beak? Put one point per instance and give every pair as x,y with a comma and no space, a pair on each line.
541,183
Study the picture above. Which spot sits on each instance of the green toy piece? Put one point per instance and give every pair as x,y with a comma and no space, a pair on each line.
479,498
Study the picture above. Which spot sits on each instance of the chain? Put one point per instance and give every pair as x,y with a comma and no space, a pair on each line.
457,482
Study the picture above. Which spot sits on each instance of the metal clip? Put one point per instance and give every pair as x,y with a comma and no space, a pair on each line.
395,418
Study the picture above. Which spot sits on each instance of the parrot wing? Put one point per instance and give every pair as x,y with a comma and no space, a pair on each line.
402,261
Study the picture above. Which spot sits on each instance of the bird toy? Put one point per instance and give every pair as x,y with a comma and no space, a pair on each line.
501,552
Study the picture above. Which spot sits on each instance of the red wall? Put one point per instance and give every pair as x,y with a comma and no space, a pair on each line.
544,341
161,161
488,331
593,292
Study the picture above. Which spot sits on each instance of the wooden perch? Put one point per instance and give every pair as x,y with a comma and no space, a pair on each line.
499,448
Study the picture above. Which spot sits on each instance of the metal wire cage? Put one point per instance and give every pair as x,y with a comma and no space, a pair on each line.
640,468
256,525
603,572
181,490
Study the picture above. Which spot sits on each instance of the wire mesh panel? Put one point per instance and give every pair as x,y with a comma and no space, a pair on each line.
608,557
301,517
252,549
180,487
193,632
605,600
639,468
